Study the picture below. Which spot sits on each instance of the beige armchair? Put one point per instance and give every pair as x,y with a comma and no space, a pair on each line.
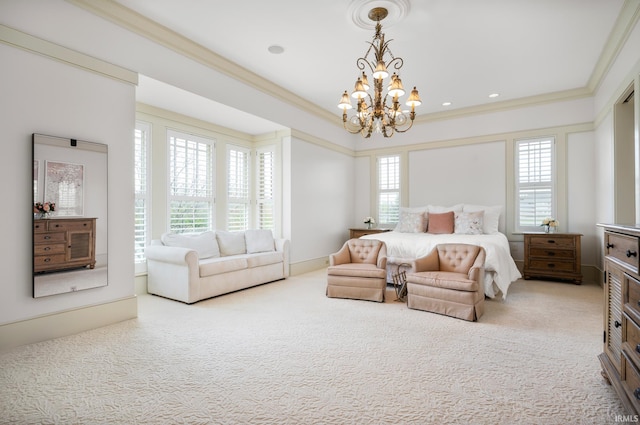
358,271
449,281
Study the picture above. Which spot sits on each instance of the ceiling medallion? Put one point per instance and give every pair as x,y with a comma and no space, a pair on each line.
373,113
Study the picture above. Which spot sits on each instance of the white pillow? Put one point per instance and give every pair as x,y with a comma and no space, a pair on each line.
491,216
231,243
260,240
469,223
204,243
436,209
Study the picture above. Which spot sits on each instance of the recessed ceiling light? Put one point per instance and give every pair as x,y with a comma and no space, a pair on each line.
492,95
275,49
446,104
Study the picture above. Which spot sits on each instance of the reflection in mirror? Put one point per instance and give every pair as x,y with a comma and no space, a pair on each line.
69,215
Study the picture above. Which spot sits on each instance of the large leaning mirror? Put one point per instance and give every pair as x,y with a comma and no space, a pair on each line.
69,215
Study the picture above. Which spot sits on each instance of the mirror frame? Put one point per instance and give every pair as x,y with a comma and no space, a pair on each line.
70,221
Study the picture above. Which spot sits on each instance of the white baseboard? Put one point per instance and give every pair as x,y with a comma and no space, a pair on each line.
308,266
66,323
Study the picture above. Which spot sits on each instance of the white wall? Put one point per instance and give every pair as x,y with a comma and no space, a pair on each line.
322,200
46,96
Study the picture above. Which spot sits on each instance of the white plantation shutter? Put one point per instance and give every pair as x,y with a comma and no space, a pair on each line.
142,193
238,198
265,192
535,175
388,189
191,185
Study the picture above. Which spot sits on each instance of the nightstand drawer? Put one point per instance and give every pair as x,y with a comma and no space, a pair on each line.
551,265
554,241
552,253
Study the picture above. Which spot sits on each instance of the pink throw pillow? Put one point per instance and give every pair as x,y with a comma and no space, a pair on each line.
441,223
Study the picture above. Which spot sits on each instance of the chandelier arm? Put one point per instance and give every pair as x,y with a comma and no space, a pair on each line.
397,63
361,61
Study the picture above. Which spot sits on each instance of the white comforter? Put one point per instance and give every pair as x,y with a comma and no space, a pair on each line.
500,269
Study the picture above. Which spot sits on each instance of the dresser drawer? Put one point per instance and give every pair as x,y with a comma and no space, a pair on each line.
49,249
551,252
71,225
631,380
48,238
551,265
552,241
631,297
623,248
43,261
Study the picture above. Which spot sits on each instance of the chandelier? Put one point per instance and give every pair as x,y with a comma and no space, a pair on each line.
380,113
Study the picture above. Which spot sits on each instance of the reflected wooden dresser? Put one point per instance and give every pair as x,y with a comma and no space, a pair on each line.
553,256
355,233
620,359
63,243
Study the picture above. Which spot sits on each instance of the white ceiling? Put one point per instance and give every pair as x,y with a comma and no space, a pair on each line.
457,51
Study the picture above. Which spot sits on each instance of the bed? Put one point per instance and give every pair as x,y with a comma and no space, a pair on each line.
405,245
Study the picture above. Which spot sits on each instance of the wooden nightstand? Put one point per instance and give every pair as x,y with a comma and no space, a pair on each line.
552,256
355,233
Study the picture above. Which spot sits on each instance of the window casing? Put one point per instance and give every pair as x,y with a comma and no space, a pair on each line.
388,189
238,195
535,173
191,186
265,174
142,209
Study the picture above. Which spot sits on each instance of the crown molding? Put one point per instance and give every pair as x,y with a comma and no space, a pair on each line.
51,50
139,24
145,27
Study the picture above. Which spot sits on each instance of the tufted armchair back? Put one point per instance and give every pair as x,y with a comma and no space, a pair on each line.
458,258
364,250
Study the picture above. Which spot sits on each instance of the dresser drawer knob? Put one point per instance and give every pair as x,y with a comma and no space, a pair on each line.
638,348
551,265
551,241
47,237
631,253
47,248
636,393
617,324
610,245
46,260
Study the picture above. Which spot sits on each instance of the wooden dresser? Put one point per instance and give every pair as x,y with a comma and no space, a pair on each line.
552,256
621,357
63,243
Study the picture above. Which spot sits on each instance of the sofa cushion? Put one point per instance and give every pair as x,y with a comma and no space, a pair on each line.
259,240
264,258
212,266
205,243
231,243
357,270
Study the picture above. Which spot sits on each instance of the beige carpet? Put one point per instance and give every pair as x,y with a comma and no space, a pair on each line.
283,353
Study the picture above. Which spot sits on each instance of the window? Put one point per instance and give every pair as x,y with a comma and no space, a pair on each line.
535,175
264,189
142,138
388,189
238,198
191,185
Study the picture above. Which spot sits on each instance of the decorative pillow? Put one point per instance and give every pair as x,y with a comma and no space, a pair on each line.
469,223
204,243
260,240
411,222
441,223
231,243
491,216
439,209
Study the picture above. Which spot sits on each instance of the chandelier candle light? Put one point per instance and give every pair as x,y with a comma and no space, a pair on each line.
373,113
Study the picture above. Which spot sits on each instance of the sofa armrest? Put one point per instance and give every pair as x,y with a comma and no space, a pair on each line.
343,256
283,245
172,254
476,272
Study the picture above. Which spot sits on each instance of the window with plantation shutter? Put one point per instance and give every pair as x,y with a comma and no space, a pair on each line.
191,184
264,188
142,193
388,189
535,176
238,196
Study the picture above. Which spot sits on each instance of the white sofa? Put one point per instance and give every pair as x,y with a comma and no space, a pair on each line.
193,267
